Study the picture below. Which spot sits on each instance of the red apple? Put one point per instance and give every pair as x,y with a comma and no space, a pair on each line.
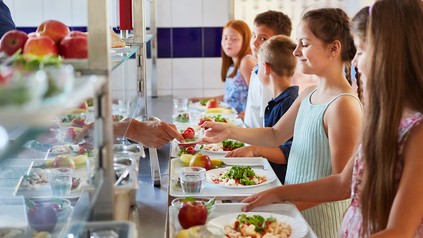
13,41
63,161
56,30
78,33
192,214
74,47
201,160
40,46
212,104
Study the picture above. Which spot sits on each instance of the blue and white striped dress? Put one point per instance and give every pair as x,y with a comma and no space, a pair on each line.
310,160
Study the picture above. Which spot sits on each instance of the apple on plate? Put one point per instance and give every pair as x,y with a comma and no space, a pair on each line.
201,160
13,41
40,46
74,47
212,104
56,30
63,161
192,214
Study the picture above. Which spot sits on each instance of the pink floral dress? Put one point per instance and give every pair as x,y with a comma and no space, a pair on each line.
351,225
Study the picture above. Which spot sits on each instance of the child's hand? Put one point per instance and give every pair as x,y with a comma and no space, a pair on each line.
216,132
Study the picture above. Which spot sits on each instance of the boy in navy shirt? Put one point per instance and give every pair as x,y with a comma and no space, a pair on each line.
276,68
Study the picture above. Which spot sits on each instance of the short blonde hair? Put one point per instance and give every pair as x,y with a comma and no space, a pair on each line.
277,51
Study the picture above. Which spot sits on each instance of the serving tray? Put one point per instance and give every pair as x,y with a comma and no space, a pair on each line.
286,209
222,192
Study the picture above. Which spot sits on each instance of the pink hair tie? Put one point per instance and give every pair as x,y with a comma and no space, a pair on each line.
370,9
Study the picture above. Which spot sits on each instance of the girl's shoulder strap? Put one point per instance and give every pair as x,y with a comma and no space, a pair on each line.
346,94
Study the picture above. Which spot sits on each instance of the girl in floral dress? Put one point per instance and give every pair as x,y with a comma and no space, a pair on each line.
237,64
387,173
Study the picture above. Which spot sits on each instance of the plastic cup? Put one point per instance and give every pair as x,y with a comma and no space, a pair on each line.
192,179
60,180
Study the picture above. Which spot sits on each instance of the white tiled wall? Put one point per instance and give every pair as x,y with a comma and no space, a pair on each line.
190,77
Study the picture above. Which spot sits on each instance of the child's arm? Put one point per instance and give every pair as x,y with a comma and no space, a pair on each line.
273,154
407,210
246,67
331,188
268,136
343,125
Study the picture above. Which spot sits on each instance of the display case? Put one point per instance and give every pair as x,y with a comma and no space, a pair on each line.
34,134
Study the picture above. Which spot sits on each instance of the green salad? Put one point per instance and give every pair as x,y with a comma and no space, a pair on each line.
243,174
258,221
229,145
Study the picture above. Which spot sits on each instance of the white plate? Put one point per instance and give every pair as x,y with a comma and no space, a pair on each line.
298,228
213,173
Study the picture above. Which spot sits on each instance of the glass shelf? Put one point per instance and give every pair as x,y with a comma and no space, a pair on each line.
120,55
45,112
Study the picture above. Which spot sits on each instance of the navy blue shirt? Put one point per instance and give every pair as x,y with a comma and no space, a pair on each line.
275,110
6,22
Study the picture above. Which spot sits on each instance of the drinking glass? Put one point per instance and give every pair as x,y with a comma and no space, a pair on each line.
180,105
192,179
60,180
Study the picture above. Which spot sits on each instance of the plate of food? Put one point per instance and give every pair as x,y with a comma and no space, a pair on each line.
239,177
251,224
224,146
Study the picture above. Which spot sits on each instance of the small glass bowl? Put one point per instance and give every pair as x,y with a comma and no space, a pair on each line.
61,205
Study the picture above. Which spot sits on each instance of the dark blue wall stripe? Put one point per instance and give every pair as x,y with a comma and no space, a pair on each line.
211,45
189,42
178,42
164,45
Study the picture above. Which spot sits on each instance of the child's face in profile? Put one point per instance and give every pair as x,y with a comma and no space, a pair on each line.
260,33
359,60
231,42
314,56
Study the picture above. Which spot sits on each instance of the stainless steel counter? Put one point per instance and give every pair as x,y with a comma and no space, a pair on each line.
152,200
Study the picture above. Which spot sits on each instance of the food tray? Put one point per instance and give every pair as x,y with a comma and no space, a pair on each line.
222,192
286,209
42,190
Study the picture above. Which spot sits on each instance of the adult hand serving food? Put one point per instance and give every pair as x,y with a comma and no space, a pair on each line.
152,134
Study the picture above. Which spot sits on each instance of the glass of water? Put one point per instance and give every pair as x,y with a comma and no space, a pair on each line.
60,180
192,179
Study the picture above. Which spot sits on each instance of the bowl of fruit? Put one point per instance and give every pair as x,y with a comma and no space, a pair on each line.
61,206
192,211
